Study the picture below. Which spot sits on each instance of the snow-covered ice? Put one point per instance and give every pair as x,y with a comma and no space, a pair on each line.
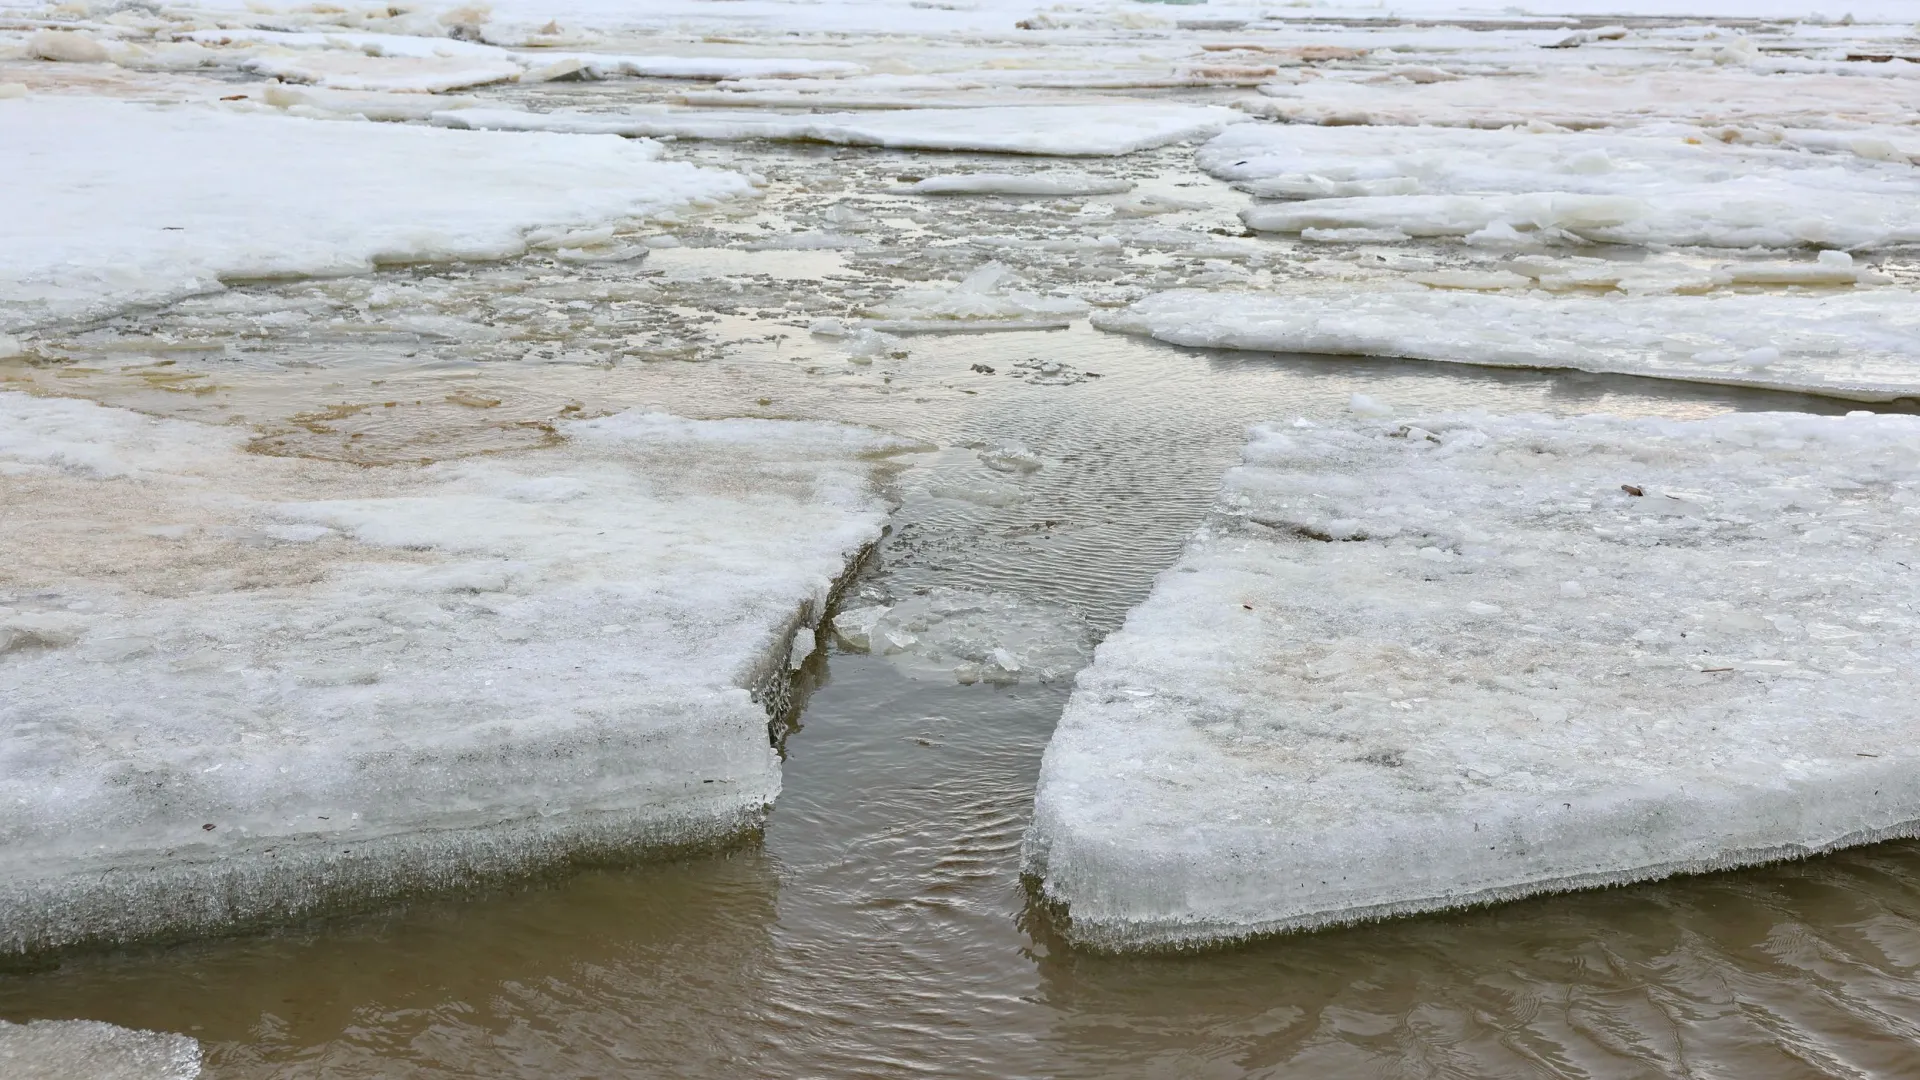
1857,344
1649,189
1055,130
111,204
234,686
1590,99
90,1050
1424,663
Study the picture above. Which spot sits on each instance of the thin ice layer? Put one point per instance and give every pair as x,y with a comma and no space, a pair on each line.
1408,666
90,1050
1060,130
1647,189
1020,184
1858,344
238,686
111,204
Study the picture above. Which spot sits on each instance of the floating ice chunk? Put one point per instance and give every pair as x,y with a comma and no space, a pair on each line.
969,637
118,205
69,46
1021,184
1010,457
1859,345
1362,405
369,105
90,1050
1059,130
410,74
983,294
866,346
1627,189
343,685
1295,731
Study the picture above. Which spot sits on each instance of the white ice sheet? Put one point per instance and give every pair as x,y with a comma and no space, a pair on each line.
110,204
1421,664
235,686
1858,344
1654,189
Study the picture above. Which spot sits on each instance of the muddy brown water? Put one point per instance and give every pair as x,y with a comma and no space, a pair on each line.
880,926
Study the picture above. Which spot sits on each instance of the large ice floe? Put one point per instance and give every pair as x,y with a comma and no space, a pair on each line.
111,203
1671,188
1857,344
235,687
1589,98
1057,130
1417,664
90,1050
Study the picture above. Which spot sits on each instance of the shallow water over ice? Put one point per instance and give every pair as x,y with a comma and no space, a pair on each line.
880,927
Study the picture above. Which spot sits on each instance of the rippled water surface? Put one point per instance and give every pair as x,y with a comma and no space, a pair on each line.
880,927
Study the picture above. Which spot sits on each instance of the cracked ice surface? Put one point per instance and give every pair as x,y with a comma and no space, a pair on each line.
76,1049
234,687
1858,344
1411,666
1665,188
112,204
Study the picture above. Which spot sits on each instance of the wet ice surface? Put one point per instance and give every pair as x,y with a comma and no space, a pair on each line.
1419,664
64,1049
881,927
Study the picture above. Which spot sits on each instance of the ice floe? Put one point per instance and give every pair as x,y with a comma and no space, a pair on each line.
1421,664
1670,189
1589,99
113,204
233,687
1056,130
1859,344
90,1050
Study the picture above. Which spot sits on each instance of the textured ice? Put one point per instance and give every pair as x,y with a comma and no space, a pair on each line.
110,204
1859,344
90,1050
1591,99
968,637
234,687
1020,184
1059,130
355,71
1423,664
1588,187
988,294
